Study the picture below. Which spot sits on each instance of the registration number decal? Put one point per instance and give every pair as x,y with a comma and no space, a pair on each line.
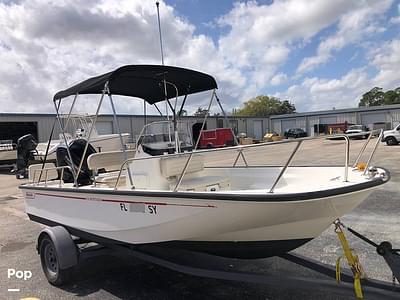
138,208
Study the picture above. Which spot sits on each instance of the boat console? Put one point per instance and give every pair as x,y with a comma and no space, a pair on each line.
158,138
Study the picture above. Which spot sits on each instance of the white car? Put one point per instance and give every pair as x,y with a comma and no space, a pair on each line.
392,137
360,131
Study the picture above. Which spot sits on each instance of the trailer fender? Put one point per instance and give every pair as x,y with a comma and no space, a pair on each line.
67,253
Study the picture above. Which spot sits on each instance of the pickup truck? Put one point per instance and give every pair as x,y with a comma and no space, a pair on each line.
358,131
392,137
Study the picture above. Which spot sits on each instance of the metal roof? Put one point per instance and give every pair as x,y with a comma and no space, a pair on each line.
337,111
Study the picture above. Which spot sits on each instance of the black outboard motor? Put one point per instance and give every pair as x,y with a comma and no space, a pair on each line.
25,146
76,148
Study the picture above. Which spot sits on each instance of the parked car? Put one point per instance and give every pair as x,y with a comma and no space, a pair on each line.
392,137
216,138
358,131
295,133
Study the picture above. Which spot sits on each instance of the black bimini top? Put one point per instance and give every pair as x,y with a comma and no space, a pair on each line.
144,81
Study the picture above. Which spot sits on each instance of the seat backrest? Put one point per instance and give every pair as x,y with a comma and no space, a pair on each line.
34,176
173,166
110,160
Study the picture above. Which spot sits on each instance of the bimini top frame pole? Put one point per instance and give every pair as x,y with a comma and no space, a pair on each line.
123,147
195,147
74,174
105,90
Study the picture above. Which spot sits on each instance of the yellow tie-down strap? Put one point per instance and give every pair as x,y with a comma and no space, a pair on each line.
352,260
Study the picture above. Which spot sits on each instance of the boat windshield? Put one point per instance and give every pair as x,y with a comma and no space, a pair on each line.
158,137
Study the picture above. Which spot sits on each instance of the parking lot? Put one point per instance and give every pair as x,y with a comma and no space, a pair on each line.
126,278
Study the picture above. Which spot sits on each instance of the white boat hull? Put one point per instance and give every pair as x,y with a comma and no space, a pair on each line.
150,219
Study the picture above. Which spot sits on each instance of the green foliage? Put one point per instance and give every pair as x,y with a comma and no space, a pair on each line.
201,112
262,106
377,96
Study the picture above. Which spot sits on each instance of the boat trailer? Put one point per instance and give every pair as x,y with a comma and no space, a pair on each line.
60,252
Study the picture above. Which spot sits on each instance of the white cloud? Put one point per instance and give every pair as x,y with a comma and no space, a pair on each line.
264,33
318,93
262,37
386,59
47,45
346,91
353,26
279,79
396,19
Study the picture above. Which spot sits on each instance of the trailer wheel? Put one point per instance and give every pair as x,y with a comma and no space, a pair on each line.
51,263
390,141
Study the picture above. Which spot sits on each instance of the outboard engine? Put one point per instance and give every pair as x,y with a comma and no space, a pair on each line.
25,146
76,148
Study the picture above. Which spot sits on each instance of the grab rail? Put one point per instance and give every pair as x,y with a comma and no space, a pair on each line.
240,153
362,150
285,166
373,151
366,143
46,170
347,158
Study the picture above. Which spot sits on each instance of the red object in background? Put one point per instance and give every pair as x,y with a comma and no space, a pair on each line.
216,138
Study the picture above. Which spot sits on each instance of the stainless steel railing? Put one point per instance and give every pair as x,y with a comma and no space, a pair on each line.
373,151
240,153
46,171
285,166
240,150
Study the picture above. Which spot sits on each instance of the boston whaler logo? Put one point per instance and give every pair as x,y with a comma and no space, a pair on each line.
29,195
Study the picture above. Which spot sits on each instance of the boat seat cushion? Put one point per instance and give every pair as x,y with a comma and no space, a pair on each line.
110,178
110,160
173,166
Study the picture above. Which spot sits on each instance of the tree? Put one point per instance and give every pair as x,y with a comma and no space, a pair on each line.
201,112
377,96
374,97
262,106
183,112
392,97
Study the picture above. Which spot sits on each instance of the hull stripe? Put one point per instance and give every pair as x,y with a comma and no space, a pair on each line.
125,201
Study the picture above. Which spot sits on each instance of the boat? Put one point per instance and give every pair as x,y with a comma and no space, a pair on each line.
79,127
8,152
222,201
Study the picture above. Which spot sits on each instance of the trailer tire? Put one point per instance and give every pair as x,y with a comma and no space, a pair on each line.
390,141
51,264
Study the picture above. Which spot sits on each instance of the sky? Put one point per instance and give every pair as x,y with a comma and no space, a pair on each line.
317,54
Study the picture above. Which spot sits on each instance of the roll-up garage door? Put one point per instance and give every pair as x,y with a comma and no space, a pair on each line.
287,124
104,127
258,129
369,119
328,120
